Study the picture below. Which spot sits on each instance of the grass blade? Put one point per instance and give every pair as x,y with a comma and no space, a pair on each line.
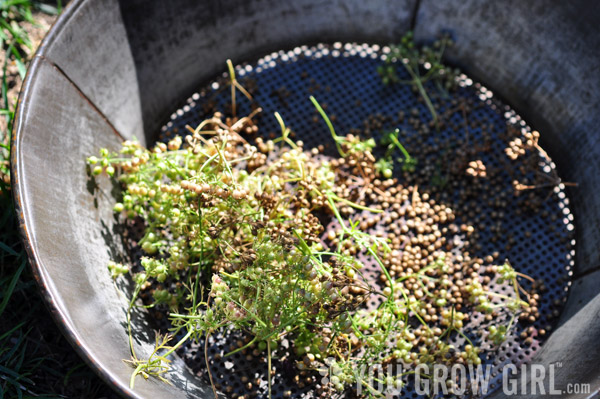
8,249
47,8
11,286
15,328
21,68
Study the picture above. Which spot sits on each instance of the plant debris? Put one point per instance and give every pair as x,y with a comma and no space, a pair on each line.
329,259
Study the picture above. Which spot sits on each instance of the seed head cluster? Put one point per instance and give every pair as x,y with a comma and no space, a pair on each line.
332,261
284,243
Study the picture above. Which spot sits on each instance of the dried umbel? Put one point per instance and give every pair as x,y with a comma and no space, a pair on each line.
273,241
285,244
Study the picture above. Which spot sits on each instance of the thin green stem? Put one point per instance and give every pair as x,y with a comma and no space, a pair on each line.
397,143
417,81
337,139
210,377
179,343
269,367
233,82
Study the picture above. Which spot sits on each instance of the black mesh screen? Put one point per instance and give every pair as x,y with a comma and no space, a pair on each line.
534,229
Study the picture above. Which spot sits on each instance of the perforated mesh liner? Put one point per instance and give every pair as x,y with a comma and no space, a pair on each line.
344,79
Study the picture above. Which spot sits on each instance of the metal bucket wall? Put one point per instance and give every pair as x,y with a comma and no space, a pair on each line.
110,70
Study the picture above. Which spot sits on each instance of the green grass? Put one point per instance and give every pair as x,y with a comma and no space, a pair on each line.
35,359
16,44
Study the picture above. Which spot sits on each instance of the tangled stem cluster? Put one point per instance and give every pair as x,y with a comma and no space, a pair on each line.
275,240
